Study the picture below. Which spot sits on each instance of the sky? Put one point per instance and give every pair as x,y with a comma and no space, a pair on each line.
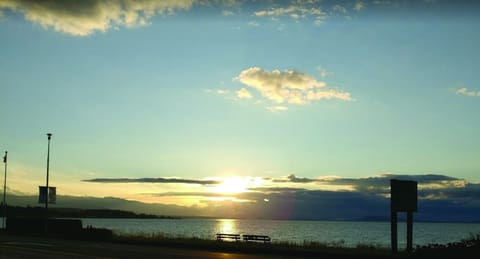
194,103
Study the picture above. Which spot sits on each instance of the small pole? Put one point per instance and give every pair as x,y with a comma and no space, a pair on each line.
49,136
393,227
5,190
409,231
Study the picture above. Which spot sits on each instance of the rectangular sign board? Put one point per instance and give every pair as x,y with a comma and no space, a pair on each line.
403,195
52,194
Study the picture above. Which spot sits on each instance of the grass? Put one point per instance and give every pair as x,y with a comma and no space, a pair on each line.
307,249
465,248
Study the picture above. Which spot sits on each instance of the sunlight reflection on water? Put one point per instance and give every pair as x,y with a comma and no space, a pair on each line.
227,226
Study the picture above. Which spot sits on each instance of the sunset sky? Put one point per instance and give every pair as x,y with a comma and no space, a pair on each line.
188,102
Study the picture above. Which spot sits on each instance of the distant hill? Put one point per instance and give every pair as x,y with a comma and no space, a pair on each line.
106,203
18,211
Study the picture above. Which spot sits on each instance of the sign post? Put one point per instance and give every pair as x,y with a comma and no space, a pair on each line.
44,190
403,198
5,190
49,136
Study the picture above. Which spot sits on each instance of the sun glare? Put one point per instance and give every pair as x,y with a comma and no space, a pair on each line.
233,185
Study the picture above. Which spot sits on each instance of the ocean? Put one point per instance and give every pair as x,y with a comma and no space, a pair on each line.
344,233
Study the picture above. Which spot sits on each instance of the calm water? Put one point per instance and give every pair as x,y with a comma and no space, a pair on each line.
345,233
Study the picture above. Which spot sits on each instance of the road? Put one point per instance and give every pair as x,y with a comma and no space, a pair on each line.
37,247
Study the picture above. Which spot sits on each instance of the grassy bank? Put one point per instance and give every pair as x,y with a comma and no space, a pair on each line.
466,248
308,249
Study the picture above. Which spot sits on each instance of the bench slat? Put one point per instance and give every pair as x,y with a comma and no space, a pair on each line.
246,238
221,236
263,238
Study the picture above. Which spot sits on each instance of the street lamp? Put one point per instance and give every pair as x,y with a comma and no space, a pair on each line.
49,135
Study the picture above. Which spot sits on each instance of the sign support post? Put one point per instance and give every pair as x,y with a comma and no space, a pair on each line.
5,190
403,198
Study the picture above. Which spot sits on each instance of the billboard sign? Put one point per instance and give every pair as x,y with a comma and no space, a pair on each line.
403,195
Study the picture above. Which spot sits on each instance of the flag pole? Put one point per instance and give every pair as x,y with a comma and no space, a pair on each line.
5,190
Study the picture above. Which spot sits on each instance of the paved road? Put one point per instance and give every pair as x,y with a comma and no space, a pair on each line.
31,247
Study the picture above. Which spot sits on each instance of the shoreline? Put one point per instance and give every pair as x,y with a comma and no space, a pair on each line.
463,249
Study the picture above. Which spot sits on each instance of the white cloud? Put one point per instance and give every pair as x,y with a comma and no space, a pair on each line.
82,18
324,72
382,2
305,1
244,94
299,10
221,91
227,13
217,91
328,94
339,9
466,92
277,108
358,6
288,86
253,23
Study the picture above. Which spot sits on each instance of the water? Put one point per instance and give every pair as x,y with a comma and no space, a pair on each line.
347,234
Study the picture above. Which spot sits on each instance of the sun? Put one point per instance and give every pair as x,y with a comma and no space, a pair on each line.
233,185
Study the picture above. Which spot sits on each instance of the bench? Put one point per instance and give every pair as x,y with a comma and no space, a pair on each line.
222,236
265,239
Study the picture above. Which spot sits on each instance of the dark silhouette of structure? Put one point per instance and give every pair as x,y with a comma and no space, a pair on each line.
5,190
49,136
403,198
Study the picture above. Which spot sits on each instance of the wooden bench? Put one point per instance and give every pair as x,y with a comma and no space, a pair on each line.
221,236
265,239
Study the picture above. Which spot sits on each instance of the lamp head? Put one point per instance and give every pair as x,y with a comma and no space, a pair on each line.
49,135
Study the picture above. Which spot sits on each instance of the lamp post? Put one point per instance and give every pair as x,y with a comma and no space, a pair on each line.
49,135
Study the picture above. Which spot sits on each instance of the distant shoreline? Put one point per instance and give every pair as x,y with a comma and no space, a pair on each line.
19,211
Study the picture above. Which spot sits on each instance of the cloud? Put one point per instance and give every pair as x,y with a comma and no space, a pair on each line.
244,94
324,72
358,6
82,18
441,198
217,91
297,10
288,86
466,92
277,108
253,23
294,179
429,184
190,194
339,9
276,189
227,13
151,180
381,184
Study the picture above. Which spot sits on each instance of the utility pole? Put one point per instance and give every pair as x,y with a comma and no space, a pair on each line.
49,135
5,190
